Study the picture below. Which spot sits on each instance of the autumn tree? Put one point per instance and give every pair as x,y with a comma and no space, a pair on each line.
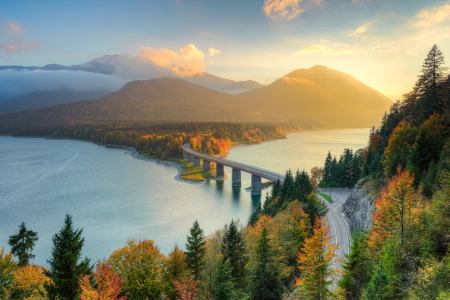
108,284
66,269
22,244
175,268
265,278
141,265
187,288
7,268
394,205
233,251
29,282
318,174
315,262
400,147
195,250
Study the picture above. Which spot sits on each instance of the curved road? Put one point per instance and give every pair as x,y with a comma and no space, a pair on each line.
338,226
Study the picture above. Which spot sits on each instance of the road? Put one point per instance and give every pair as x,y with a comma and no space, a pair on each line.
269,175
339,229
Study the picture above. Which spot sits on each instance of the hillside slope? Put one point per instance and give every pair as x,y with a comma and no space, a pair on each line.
40,99
166,99
317,93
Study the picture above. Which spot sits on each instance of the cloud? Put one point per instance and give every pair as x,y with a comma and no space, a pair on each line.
359,30
322,49
359,2
189,63
286,9
14,82
15,42
212,51
433,16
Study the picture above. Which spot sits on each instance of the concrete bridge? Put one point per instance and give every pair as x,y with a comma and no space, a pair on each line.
257,173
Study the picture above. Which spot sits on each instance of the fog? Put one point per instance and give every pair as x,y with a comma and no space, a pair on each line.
19,82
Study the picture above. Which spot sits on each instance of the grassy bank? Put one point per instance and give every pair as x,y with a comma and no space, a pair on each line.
326,197
195,174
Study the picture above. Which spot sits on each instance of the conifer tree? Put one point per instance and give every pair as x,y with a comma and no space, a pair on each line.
379,284
315,261
66,269
327,166
195,250
357,267
233,251
225,285
265,282
431,84
22,244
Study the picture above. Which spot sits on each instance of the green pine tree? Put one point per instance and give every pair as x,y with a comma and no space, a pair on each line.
195,250
66,269
265,282
233,251
431,84
357,267
225,285
327,166
22,244
378,287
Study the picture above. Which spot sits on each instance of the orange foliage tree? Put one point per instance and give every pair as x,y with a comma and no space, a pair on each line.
395,205
7,267
315,259
29,283
109,284
175,268
317,175
187,288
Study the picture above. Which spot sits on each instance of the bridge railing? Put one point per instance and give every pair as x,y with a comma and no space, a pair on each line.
230,163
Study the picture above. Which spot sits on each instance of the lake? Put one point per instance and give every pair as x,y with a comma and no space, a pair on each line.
115,197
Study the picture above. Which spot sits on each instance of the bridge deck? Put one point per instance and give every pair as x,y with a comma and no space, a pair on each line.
269,175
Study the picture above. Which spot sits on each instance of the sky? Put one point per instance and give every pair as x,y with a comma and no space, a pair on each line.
382,43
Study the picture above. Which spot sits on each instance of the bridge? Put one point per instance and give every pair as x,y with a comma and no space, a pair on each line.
257,173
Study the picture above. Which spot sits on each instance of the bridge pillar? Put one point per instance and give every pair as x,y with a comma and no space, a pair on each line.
220,173
236,177
190,158
196,161
256,185
206,165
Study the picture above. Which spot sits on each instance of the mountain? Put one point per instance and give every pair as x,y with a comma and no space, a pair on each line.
39,99
318,93
134,68
166,99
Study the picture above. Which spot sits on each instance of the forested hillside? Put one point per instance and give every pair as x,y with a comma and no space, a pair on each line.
406,254
39,99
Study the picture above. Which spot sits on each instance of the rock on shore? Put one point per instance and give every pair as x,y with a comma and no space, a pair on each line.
358,207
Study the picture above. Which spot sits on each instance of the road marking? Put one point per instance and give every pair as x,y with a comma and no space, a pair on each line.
346,230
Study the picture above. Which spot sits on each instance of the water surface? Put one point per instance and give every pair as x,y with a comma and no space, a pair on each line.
115,197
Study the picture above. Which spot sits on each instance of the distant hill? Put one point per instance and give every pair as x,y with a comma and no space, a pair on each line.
166,99
40,99
317,93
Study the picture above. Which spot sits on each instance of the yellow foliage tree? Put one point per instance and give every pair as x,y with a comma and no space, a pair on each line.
29,283
315,260
141,265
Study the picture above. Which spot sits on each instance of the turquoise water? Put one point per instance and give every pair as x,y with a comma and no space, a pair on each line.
115,197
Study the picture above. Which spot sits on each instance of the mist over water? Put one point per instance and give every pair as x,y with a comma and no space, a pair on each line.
115,197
